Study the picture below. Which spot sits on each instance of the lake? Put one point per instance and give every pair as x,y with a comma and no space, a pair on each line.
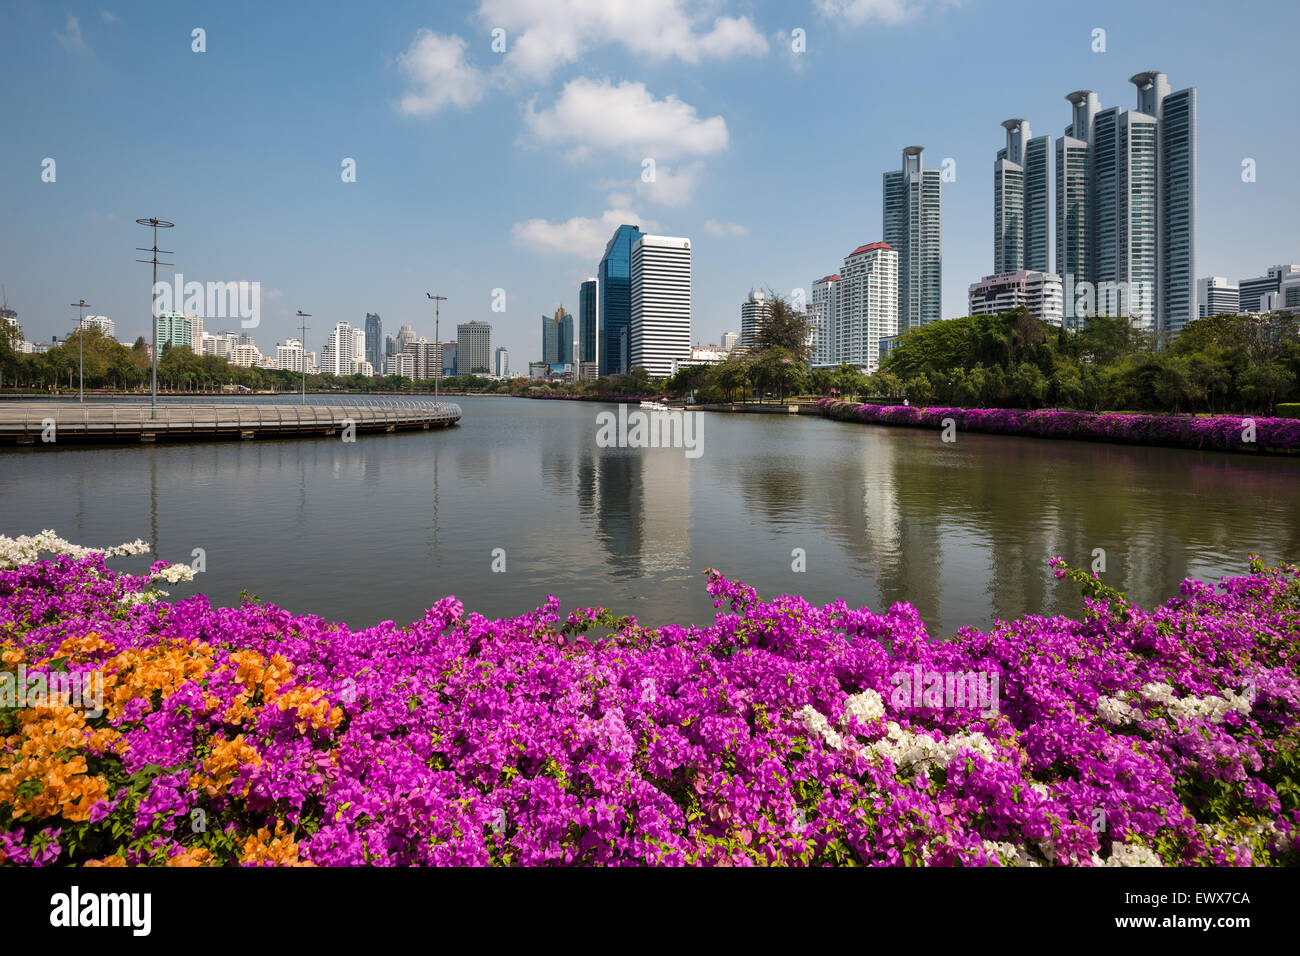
383,527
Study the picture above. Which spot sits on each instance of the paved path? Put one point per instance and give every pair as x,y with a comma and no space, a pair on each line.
52,423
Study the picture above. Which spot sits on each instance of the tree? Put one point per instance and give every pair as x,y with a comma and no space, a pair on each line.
784,328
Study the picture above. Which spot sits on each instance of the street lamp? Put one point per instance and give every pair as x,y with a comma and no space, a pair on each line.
437,301
304,315
81,347
153,310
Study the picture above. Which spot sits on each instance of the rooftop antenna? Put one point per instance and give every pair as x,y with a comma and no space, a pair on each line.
437,301
303,316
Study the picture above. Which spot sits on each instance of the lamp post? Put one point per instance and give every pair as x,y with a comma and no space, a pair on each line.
156,224
304,316
437,301
79,305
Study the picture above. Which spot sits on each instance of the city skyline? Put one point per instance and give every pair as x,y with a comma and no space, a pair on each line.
268,219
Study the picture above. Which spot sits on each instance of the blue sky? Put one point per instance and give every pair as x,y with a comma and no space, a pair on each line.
478,170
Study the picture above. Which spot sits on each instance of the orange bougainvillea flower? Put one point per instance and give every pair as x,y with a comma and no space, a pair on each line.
224,762
192,856
107,861
278,849
39,751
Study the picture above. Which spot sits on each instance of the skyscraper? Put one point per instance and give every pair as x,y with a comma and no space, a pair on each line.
374,341
659,330
502,368
550,340
913,223
614,300
1126,206
589,320
754,313
474,348
825,306
1021,205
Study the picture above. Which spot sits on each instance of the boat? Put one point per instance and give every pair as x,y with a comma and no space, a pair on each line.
654,406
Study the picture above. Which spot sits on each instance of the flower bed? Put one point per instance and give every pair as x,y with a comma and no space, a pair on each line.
1222,432
780,734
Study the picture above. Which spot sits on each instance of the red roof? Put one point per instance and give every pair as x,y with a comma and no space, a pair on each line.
833,278
871,245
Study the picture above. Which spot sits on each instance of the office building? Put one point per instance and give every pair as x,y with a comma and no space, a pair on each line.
336,357
474,348
449,366
660,327
729,340
614,300
1039,293
374,340
289,356
1251,291
589,321
1215,296
913,225
401,363
501,367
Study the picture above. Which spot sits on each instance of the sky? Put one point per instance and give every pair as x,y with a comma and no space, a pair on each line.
498,144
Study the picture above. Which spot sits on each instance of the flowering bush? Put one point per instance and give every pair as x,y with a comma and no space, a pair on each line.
1222,432
776,735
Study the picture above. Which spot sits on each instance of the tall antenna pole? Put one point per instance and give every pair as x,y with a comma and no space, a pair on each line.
153,310
81,346
304,316
437,301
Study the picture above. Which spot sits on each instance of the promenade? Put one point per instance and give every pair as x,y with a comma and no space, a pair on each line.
54,423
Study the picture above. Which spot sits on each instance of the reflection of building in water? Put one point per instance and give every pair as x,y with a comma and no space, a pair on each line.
640,502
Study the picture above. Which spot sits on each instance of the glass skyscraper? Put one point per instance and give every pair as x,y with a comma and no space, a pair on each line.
588,320
1126,205
374,341
913,223
614,300
1021,203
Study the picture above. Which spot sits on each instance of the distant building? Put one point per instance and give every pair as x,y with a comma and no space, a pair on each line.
405,336
449,366
729,340
913,227
103,323
866,304
1021,201
1214,296
474,348
426,359
401,363
825,311
501,367
196,333
1251,291
173,330
289,356
557,337
1040,293
245,356
589,321
374,340
538,370
614,300
660,328
754,313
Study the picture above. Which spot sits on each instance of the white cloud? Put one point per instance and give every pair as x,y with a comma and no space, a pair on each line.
70,39
595,115
579,236
671,186
715,228
108,16
857,12
439,75
544,35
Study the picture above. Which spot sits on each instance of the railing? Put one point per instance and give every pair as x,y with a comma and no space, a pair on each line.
29,418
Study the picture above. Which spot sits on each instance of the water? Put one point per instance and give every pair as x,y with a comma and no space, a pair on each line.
382,528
